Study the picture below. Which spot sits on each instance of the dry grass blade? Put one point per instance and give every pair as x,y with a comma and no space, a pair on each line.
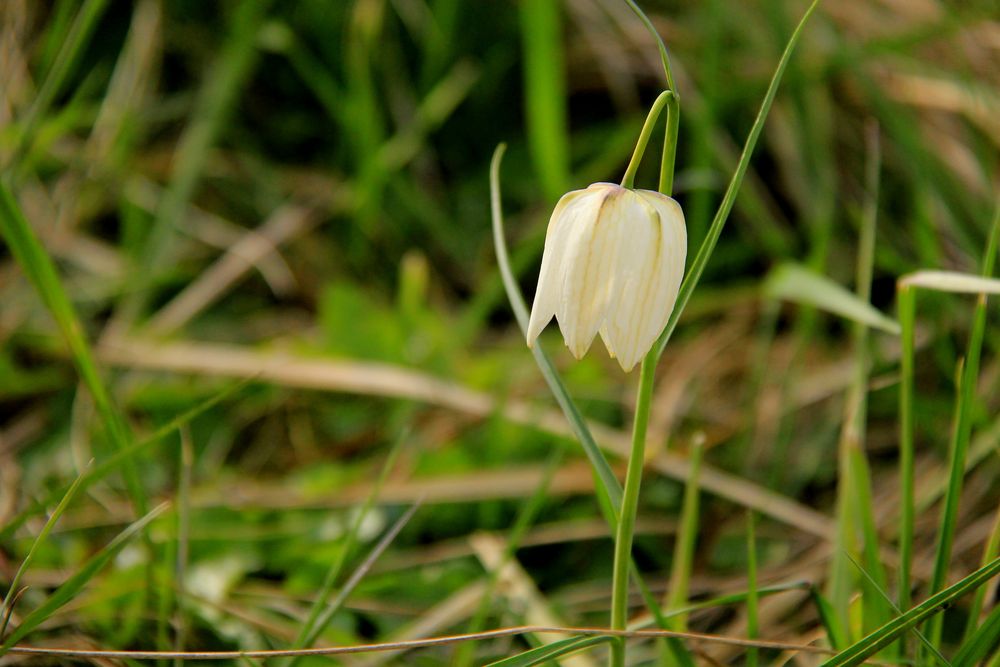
518,587
421,643
951,281
390,381
444,614
284,224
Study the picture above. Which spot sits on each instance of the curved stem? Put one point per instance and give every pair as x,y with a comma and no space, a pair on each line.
664,99
664,58
630,502
666,185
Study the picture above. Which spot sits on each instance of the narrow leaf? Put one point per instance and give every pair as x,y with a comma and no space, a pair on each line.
311,628
8,602
551,651
952,281
99,471
75,583
729,199
863,649
981,642
313,632
796,283
41,271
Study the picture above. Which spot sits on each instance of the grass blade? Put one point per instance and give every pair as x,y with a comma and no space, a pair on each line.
680,571
68,590
722,214
836,634
8,602
863,649
545,94
877,587
69,54
525,518
854,494
609,485
216,97
753,629
664,57
981,642
734,598
797,283
952,281
40,269
312,632
551,651
99,471
313,626
906,300
963,431
183,538
990,551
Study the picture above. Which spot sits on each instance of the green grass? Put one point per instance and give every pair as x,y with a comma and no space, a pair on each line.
144,145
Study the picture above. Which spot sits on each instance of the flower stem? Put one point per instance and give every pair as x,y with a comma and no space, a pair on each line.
630,502
666,185
666,99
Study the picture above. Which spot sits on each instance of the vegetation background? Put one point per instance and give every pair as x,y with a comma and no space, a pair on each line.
272,221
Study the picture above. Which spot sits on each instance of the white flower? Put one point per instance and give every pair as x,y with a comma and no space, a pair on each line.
613,263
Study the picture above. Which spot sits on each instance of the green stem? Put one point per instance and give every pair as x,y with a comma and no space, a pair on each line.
670,145
665,98
664,57
633,476
906,307
680,570
630,502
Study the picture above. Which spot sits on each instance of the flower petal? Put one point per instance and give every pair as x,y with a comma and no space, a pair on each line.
550,275
590,261
651,265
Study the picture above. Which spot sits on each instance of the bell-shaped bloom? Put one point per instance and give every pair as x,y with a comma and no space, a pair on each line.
613,264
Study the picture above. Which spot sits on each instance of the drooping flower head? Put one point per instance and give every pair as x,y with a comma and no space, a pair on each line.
613,263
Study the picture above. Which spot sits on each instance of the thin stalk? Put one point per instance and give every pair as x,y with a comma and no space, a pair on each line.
68,57
753,623
907,305
888,633
992,547
633,476
680,574
963,431
990,552
665,99
525,519
949,513
664,58
666,185
14,590
630,502
183,539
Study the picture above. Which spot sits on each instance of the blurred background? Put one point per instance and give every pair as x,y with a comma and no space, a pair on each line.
296,195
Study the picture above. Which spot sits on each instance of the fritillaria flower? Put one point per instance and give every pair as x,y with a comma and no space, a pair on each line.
613,263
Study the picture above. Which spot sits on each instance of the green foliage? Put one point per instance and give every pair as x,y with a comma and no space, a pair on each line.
149,152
